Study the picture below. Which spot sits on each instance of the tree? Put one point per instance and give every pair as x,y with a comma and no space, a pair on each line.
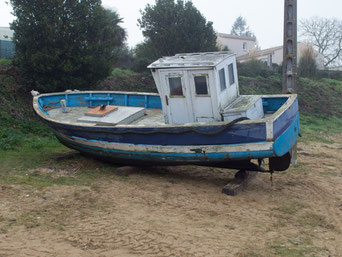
65,44
144,54
240,28
307,66
171,27
326,36
125,57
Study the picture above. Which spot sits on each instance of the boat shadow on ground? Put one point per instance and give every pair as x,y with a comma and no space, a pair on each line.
188,174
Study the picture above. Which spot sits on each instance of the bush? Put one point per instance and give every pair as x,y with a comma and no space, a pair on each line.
127,80
254,68
331,74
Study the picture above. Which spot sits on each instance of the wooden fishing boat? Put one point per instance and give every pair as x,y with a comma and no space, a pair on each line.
197,118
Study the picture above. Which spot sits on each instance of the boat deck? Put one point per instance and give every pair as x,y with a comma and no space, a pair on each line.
77,114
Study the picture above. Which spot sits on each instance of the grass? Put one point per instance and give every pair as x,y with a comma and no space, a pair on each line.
314,220
292,251
28,220
249,253
38,180
290,208
315,128
29,152
296,215
295,247
33,175
291,183
24,164
15,133
5,61
319,102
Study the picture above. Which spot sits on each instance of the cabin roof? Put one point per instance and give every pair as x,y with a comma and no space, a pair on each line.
208,59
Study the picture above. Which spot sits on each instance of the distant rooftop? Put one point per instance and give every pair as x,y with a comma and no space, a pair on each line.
192,60
259,53
224,35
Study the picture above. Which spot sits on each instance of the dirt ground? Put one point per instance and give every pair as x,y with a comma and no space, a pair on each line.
180,211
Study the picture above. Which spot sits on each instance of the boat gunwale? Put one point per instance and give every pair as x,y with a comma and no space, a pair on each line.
291,98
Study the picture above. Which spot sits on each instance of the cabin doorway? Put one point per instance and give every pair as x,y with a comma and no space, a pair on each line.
177,98
199,82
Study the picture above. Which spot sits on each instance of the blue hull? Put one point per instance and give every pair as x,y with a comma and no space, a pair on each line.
209,144
280,147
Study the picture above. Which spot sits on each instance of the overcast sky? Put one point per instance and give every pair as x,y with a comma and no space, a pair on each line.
264,17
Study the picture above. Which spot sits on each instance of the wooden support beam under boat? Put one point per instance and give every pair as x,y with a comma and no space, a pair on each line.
240,181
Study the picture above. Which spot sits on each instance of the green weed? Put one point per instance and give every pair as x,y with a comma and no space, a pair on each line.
5,61
315,220
291,183
318,129
302,246
37,180
25,165
288,251
122,72
249,253
290,208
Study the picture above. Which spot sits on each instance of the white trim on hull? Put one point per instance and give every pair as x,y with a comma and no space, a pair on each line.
250,147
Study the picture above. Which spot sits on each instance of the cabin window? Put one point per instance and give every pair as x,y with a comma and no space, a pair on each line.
222,79
231,74
201,86
244,45
176,86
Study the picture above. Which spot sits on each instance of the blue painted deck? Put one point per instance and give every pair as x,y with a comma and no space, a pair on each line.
151,101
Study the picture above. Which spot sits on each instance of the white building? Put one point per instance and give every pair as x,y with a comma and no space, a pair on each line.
274,55
6,34
246,50
237,44
6,43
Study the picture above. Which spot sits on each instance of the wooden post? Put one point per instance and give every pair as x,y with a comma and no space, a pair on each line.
290,56
290,47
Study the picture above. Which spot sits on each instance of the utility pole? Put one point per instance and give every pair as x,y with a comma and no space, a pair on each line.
290,56
290,47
